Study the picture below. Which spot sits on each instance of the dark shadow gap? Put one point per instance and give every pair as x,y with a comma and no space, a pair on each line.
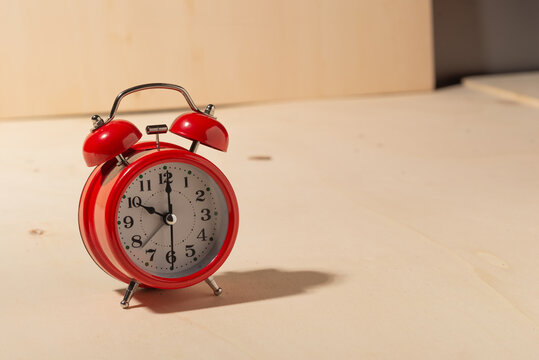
238,288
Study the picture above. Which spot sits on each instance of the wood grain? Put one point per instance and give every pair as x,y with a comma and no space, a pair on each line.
65,57
406,231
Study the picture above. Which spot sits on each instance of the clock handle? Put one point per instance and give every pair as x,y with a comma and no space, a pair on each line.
106,142
134,89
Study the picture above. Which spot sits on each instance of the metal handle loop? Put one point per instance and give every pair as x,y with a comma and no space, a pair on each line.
151,86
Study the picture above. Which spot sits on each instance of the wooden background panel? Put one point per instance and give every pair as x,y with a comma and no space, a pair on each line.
65,57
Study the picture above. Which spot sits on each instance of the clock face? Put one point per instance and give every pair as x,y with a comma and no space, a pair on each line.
172,220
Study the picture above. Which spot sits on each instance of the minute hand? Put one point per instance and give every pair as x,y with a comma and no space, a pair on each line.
168,189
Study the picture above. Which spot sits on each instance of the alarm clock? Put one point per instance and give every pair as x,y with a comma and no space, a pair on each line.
154,214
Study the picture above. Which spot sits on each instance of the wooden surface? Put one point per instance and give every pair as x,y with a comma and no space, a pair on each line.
395,227
517,87
64,57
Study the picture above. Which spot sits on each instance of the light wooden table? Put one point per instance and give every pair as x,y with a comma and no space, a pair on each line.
393,227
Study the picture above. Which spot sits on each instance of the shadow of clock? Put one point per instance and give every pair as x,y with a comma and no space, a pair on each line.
238,288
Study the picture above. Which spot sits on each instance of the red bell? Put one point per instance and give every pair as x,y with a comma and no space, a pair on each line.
109,141
199,127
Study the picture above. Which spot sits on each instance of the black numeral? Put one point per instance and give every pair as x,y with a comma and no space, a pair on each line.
189,251
185,180
200,195
171,257
151,251
134,201
128,222
136,241
148,185
164,176
206,213
202,235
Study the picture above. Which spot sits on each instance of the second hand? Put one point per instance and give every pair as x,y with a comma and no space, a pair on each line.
168,190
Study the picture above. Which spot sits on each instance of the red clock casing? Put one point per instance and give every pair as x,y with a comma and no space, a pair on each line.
99,205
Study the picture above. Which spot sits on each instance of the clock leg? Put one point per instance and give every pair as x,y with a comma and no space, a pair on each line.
216,289
131,288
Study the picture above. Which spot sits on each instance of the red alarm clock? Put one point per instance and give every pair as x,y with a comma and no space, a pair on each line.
153,213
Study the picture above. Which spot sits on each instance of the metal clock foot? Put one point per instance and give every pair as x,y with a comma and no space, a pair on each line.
216,289
131,288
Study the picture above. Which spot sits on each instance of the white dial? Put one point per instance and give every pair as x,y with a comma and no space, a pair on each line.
172,219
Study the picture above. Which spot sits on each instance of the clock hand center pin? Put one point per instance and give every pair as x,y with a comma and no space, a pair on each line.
170,219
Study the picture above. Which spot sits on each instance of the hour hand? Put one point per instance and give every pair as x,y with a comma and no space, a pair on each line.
151,210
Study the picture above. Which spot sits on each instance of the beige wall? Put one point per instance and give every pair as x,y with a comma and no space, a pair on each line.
67,57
